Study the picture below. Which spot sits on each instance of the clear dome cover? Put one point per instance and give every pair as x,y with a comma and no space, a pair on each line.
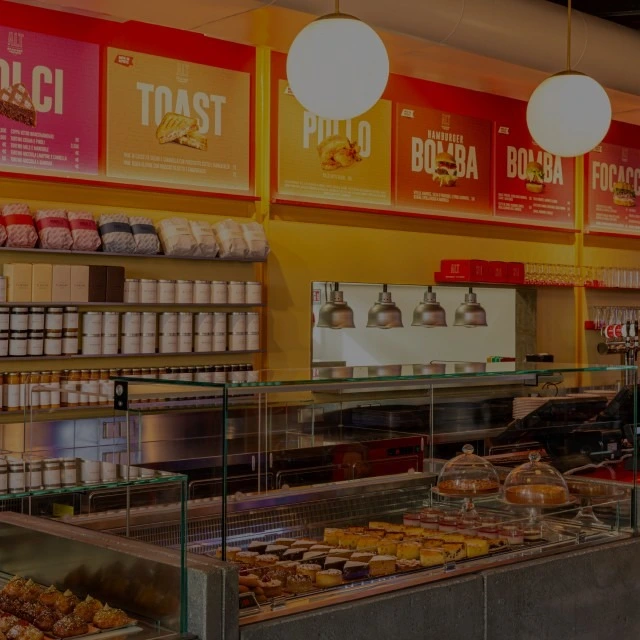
535,483
468,475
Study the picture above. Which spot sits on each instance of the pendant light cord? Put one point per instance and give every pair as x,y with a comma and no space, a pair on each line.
568,35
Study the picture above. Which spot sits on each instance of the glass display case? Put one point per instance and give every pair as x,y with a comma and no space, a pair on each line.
324,488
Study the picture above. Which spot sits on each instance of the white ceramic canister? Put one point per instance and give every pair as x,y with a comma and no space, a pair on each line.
4,320
253,293
91,344
36,319
166,291
203,342
70,342
236,292
168,322
110,323
148,343
184,291
51,475
35,343
4,344
220,322
19,320
18,344
92,323
90,471
201,292
110,344
237,322
253,341
149,322
185,342
4,476
131,322
131,343
237,341
69,472
148,291
168,343
219,342
54,318
70,319
132,290
219,292
203,323
253,322
185,322
3,288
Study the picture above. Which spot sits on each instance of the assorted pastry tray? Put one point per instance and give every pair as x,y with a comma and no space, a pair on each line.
436,538
30,611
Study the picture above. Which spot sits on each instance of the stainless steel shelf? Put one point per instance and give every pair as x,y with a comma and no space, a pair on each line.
125,355
125,255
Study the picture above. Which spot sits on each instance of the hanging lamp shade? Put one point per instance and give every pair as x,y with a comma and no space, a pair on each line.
569,114
384,314
337,67
429,313
336,313
470,313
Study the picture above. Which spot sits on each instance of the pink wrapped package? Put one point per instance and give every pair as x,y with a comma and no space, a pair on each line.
53,229
21,231
84,231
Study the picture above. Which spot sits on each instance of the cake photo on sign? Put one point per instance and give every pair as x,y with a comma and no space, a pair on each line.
16,104
181,130
338,152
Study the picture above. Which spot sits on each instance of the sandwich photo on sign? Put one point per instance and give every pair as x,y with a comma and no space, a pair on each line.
624,194
182,130
535,177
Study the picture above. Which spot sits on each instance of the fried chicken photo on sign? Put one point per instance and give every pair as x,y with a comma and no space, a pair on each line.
338,152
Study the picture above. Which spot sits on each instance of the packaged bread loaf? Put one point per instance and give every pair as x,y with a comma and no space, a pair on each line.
115,232
84,231
256,240
204,237
53,229
21,231
176,237
231,242
144,235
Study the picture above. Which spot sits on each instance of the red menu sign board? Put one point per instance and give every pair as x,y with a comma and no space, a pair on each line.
443,162
613,184
48,102
532,185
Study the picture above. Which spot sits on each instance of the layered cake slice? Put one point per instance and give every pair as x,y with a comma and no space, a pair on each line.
16,104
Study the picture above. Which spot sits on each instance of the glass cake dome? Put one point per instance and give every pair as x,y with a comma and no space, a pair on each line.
468,475
535,484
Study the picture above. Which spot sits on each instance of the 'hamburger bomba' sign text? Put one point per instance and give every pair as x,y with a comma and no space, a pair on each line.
532,185
443,162
613,183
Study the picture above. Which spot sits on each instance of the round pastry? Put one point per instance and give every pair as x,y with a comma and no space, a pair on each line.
31,591
7,621
14,587
299,584
87,609
272,587
248,579
108,618
536,494
247,557
328,578
265,560
464,486
70,626
310,570
49,596
66,602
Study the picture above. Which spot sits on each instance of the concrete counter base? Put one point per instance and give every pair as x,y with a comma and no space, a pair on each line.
589,594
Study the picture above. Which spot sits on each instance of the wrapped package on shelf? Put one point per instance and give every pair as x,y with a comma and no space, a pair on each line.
84,231
256,240
205,238
53,229
21,232
115,232
176,237
144,235
231,240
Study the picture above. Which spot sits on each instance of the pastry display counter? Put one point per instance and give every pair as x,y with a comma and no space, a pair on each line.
365,522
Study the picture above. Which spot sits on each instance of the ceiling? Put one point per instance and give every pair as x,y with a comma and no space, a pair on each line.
625,12
274,23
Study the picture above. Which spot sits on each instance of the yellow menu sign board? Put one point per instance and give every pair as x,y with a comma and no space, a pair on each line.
329,160
177,123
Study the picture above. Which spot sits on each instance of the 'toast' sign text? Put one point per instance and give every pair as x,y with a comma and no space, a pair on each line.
171,121
443,162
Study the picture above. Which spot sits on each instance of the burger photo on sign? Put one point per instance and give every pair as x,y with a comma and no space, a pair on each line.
446,173
535,177
624,194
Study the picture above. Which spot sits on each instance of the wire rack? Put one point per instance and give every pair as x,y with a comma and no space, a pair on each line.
304,519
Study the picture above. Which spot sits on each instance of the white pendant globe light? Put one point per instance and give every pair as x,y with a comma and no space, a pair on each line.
569,113
337,66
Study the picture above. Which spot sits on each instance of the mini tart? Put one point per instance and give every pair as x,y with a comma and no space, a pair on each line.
476,547
231,553
454,551
272,587
362,556
328,578
331,535
387,547
299,584
247,557
310,570
408,550
367,542
432,557
382,565
265,560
